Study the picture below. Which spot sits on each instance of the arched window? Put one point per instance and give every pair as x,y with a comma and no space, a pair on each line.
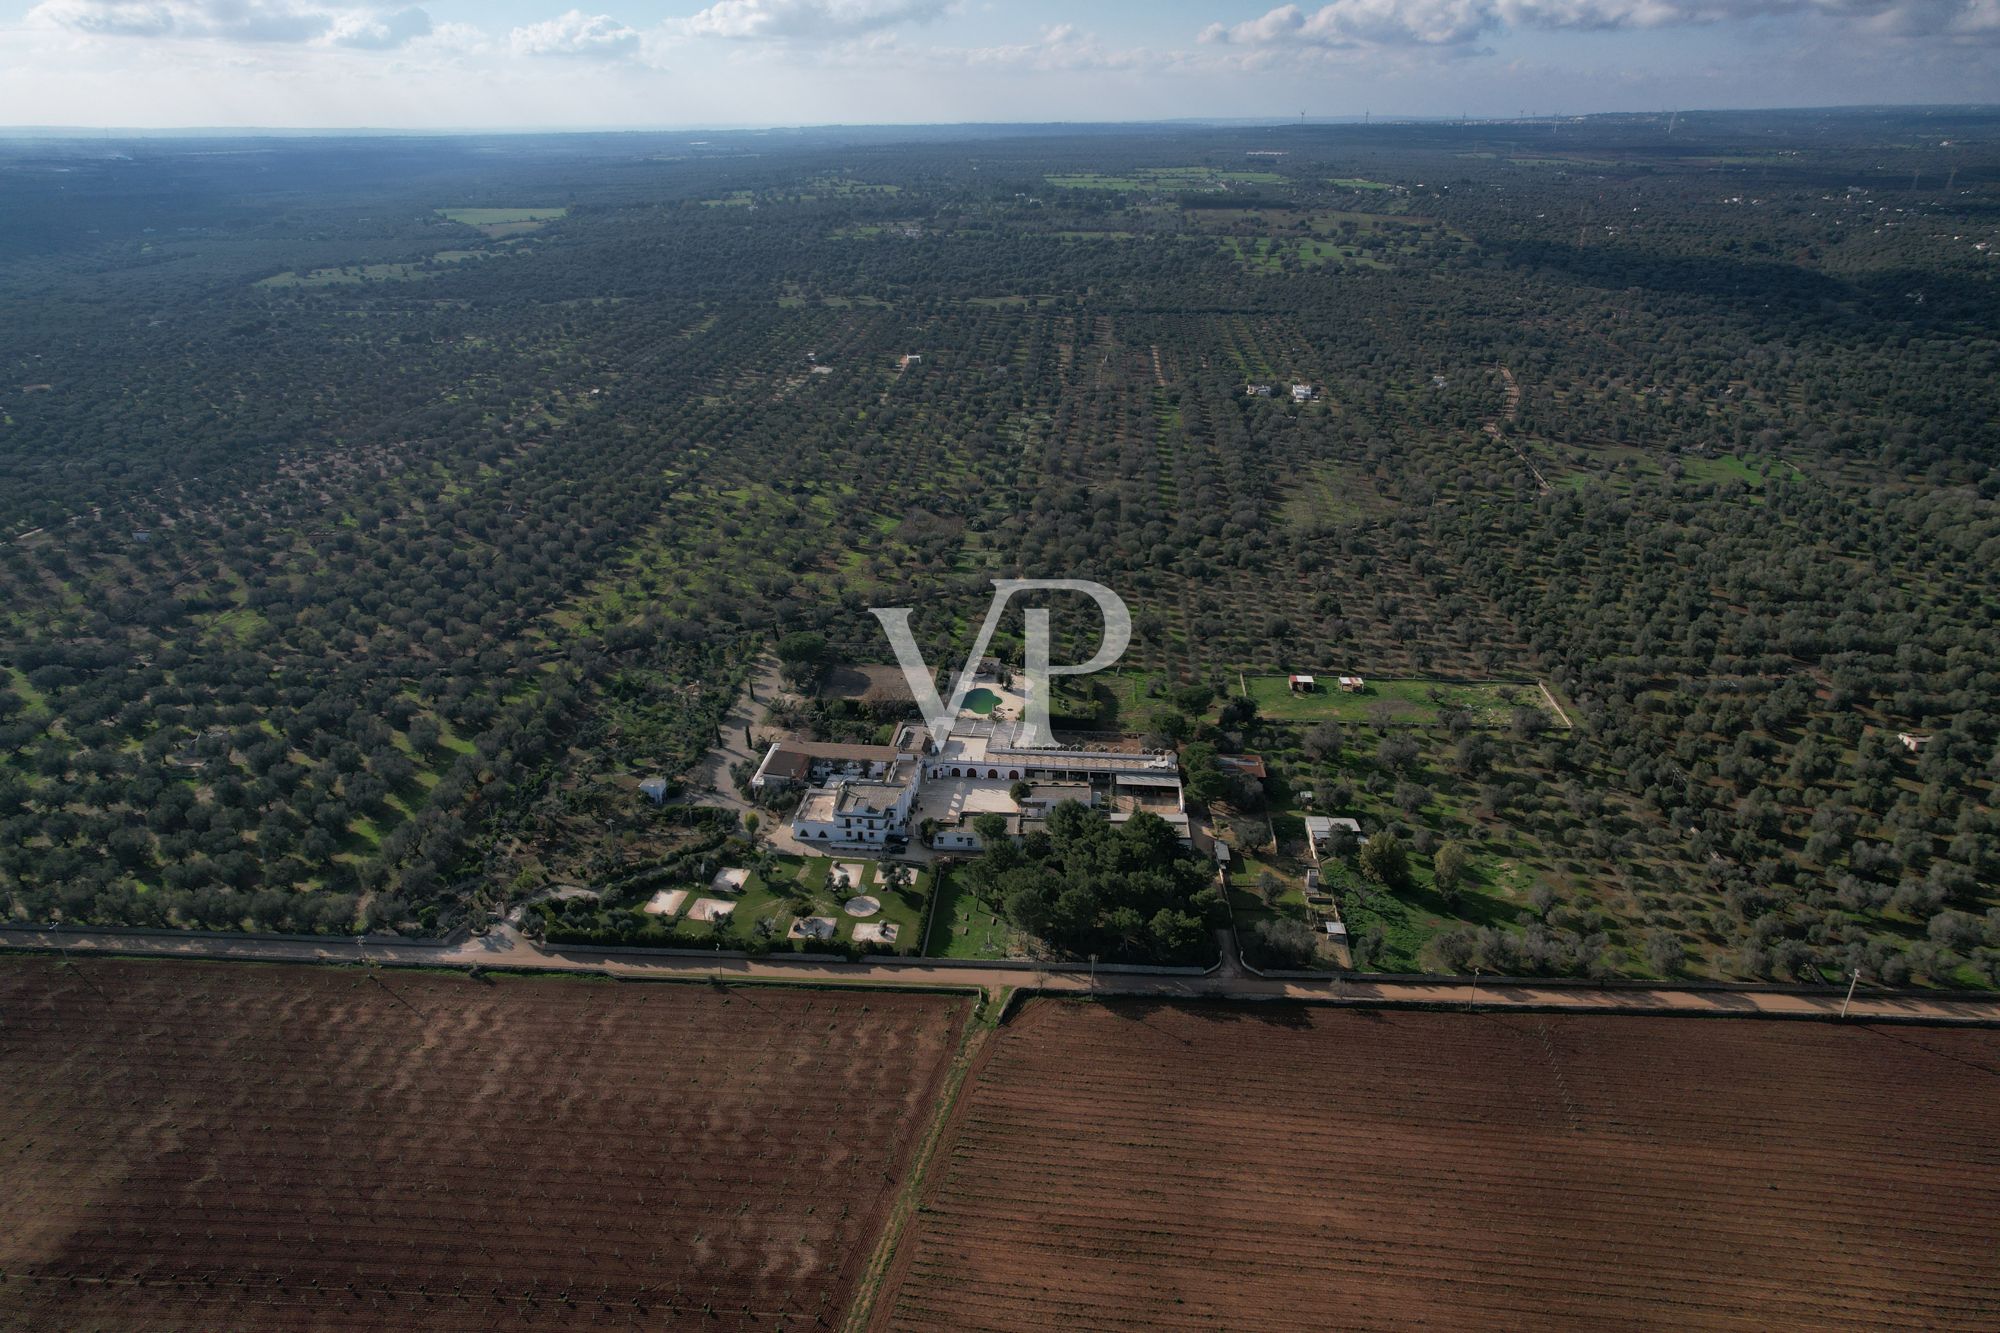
954,772
1014,773
992,773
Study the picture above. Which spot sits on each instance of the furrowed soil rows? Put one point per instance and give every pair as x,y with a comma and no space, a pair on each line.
227,1146
1129,1165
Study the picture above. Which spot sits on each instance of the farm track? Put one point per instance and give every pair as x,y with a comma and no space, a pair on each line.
1508,415
207,1147
1313,1169
504,948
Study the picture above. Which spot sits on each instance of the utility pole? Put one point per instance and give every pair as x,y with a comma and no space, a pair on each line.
1473,998
1093,976
1852,982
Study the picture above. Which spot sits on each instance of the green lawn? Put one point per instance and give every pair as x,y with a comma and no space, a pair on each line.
965,927
1396,701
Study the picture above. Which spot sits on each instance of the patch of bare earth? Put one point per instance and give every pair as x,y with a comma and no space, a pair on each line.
1142,1166
223,1146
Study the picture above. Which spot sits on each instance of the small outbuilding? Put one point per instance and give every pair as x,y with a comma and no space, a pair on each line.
1353,684
654,790
1301,684
1249,765
1321,828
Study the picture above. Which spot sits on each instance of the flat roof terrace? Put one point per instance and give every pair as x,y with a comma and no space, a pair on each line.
998,744
949,800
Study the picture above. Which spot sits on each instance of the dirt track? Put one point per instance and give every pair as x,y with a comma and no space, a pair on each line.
504,948
1310,1168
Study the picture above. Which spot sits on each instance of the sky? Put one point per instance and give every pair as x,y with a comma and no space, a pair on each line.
530,64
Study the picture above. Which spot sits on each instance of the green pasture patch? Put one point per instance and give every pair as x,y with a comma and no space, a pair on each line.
1723,467
497,223
500,217
965,927
1417,702
241,624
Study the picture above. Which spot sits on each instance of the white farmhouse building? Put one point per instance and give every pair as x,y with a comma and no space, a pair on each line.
864,795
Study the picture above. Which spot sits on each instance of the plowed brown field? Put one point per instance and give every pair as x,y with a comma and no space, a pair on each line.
221,1146
1141,1166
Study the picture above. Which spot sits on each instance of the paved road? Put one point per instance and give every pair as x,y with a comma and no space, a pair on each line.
504,948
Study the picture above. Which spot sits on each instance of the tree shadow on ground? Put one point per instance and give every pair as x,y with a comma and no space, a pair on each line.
1268,1013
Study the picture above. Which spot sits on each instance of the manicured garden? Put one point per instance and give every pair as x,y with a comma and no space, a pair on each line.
694,909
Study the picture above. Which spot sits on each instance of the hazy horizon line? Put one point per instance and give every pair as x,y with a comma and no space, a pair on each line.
1247,121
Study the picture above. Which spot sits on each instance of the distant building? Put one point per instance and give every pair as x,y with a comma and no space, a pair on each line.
1301,683
1912,741
654,790
1257,390
1353,684
1302,393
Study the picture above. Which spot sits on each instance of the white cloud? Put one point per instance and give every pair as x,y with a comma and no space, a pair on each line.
251,21
807,20
1347,23
1458,23
577,36
380,31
